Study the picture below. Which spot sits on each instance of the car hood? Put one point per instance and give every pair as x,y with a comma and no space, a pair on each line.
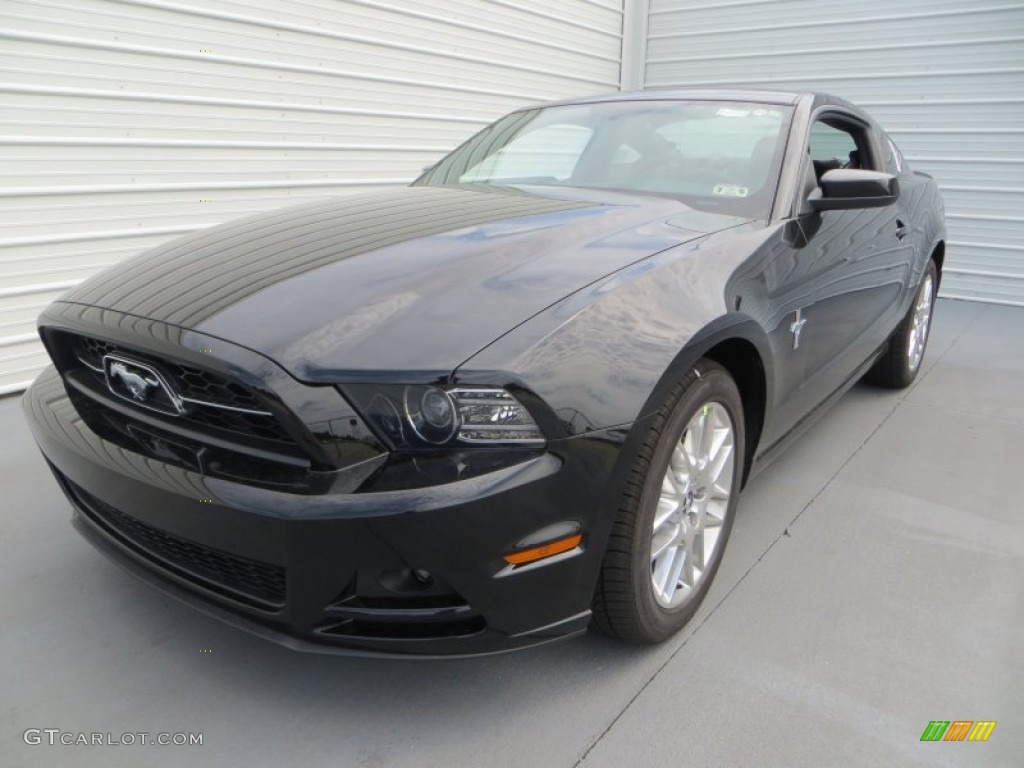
413,279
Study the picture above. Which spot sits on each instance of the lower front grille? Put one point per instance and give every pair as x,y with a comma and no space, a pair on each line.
251,581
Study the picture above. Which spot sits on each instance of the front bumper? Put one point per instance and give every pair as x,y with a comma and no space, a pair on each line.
344,572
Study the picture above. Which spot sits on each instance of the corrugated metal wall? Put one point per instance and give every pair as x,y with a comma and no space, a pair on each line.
945,77
126,122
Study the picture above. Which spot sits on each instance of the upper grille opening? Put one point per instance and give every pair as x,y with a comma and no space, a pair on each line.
210,399
190,382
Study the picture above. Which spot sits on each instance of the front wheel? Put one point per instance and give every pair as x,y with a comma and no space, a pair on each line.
899,365
677,511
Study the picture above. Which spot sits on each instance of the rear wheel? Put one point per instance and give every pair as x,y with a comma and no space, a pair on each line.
677,511
898,367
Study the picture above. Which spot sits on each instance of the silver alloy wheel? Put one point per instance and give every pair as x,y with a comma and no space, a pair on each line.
692,506
920,323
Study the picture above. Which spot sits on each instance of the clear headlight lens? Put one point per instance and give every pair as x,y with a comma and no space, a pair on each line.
489,415
428,416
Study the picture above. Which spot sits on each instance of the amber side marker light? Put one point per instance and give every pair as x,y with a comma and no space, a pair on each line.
539,553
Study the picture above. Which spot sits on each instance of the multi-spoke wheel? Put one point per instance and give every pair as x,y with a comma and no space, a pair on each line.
899,365
677,511
920,322
693,504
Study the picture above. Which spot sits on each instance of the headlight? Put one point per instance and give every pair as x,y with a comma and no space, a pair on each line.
431,414
493,416
418,416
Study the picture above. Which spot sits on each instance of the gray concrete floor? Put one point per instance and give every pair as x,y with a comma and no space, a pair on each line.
874,582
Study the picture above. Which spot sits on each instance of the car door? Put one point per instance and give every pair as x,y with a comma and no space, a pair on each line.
837,277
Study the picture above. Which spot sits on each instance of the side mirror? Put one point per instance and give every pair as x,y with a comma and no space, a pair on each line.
848,188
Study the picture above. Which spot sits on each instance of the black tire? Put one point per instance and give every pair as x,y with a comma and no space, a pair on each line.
896,368
624,605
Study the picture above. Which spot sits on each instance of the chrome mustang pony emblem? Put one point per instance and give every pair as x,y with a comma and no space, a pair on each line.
797,327
140,383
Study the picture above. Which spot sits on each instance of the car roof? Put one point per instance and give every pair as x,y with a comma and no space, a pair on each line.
693,94
788,98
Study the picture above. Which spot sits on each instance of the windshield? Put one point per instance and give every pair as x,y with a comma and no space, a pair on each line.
715,155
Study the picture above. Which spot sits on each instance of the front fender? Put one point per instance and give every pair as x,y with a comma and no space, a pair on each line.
607,355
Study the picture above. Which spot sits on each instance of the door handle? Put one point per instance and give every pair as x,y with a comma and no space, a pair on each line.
902,230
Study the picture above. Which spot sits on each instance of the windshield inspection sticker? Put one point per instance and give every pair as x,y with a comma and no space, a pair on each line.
730,190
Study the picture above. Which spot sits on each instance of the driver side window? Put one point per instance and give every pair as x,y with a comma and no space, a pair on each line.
835,144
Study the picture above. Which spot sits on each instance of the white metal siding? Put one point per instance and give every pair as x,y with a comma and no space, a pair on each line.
127,122
944,77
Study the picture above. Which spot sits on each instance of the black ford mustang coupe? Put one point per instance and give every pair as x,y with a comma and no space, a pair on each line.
515,399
